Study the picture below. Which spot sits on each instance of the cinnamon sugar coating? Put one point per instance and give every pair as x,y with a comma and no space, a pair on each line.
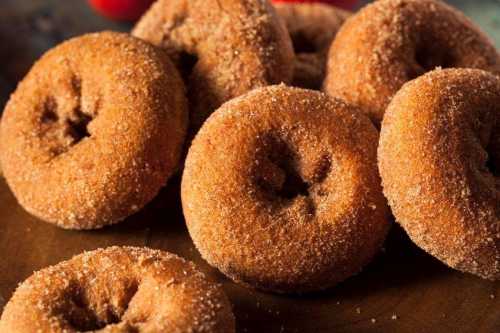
223,47
390,42
312,27
281,191
439,158
119,289
94,130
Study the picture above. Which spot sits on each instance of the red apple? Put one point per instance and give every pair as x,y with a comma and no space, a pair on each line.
346,4
121,10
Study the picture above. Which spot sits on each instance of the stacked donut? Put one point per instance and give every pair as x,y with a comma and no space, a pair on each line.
282,187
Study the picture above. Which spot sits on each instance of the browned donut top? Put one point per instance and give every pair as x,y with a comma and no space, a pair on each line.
94,130
312,27
281,190
224,47
440,160
392,41
119,289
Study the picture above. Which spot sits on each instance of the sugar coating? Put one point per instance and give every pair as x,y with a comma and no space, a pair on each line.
246,210
94,130
239,45
119,289
390,42
312,28
439,158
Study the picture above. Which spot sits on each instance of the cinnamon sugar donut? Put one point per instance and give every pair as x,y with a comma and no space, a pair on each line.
119,289
224,48
289,198
439,158
390,42
94,130
312,27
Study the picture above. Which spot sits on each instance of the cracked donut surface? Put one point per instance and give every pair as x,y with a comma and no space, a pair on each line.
224,48
119,290
390,42
439,158
281,191
94,130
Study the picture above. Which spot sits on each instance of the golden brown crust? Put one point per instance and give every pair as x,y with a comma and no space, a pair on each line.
281,190
390,42
312,27
239,45
119,289
94,130
439,157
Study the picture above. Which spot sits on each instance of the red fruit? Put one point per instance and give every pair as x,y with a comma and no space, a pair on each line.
122,10
346,4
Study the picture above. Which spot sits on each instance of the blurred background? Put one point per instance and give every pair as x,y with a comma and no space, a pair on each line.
30,27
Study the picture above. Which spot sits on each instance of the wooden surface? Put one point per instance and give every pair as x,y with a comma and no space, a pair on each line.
403,290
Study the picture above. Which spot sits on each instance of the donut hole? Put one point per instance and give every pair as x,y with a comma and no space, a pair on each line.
186,64
485,149
49,114
77,126
293,185
78,121
492,167
63,122
429,59
303,43
429,55
493,160
83,318
85,314
279,175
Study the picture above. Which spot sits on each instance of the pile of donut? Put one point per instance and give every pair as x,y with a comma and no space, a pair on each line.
284,188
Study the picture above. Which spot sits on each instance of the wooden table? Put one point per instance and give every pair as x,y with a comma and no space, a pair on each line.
403,290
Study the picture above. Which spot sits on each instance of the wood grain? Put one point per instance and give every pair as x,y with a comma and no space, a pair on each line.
403,290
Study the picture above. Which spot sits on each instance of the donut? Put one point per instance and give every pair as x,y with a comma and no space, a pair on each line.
289,199
439,158
119,289
224,48
312,27
94,130
390,42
